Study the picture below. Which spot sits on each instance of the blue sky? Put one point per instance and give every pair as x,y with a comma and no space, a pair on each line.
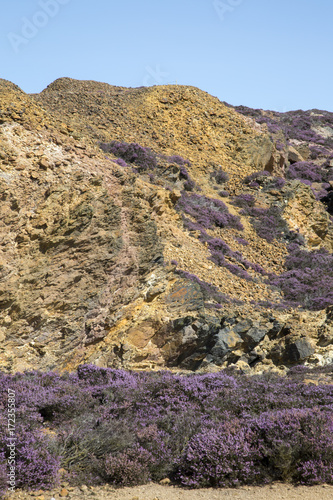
273,54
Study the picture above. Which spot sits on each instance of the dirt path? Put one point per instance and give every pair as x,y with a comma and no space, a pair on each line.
275,491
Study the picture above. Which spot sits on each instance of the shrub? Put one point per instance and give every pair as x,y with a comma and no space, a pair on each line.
308,279
267,222
219,176
243,200
219,250
145,158
179,160
241,241
207,212
128,468
303,170
189,185
120,162
276,183
213,429
3,475
296,444
219,457
37,460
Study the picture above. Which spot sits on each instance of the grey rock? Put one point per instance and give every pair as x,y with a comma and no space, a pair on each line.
226,341
253,336
298,351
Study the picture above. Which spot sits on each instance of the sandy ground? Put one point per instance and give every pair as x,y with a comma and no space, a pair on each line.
276,491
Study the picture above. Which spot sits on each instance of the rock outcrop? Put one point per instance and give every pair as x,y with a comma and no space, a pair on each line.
170,263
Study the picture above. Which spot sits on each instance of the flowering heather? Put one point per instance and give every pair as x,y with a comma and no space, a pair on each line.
297,125
132,153
308,279
120,162
125,428
179,160
267,222
207,212
276,183
220,250
303,170
264,179
243,200
241,241
219,176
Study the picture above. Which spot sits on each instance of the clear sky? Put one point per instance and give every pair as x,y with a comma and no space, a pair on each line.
270,54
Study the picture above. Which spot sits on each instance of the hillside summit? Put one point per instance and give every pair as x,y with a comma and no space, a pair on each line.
150,228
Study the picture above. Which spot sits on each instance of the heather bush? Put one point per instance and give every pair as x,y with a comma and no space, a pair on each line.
189,184
179,160
275,183
120,162
317,151
37,460
293,124
219,176
269,223
144,158
207,212
219,250
243,200
296,444
308,279
220,457
242,241
128,468
216,429
303,170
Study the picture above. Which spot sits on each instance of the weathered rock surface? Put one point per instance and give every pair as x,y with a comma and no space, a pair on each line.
88,247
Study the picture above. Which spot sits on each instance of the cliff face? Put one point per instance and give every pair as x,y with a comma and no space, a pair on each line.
158,227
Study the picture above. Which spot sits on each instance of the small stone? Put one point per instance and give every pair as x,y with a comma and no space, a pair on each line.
83,487
165,481
64,493
40,497
7,320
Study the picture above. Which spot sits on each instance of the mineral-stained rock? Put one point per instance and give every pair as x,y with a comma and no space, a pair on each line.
184,295
294,155
226,341
98,262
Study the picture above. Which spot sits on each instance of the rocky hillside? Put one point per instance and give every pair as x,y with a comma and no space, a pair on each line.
159,227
